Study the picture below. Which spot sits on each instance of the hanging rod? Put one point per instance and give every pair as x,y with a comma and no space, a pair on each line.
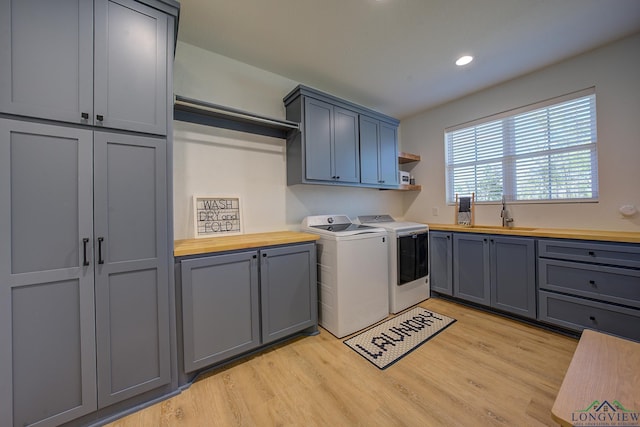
195,111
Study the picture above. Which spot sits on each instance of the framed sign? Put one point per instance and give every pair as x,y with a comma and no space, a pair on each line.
217,216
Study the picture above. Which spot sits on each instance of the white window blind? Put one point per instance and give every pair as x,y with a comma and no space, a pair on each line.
542,152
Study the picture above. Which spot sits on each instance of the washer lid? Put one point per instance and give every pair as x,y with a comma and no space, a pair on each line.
315,220
339,225
368,219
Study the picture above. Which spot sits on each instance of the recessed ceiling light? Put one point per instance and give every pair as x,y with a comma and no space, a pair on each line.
464,60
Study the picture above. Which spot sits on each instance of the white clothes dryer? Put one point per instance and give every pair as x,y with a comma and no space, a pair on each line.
408,260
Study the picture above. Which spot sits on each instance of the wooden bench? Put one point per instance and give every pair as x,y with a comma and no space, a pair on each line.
602,384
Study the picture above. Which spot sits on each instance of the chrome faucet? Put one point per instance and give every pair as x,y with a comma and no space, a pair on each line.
507,221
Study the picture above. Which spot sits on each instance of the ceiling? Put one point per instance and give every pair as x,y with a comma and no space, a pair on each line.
397,56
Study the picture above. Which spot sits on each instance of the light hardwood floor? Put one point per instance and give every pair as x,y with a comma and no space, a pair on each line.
484,370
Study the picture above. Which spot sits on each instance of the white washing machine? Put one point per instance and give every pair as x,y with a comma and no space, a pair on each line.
408,260
352,273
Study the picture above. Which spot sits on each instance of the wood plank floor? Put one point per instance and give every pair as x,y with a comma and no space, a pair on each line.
484,370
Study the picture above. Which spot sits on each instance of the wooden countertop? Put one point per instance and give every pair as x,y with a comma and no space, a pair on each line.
242,241
604,369
559,233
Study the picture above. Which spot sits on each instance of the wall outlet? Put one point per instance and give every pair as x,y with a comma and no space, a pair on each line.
435,211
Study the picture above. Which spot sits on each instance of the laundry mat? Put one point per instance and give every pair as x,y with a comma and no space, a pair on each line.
389,341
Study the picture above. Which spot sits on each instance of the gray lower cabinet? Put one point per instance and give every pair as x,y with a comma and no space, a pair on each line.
83,270
471,270
593,285
220,308
495,271
288,296
236,302
101,62
441,262
378,152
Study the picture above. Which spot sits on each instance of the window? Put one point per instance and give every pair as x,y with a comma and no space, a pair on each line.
542,152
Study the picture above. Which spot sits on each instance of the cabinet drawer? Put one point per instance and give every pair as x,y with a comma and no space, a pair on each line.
577,314
623,255
613,284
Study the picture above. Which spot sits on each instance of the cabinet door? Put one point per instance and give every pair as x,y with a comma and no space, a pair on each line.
47,356
378,153
388,154
369,139
220,308
318,131
289,300
346,155
513,275
132,291
471,273
440,250
46,59
130,66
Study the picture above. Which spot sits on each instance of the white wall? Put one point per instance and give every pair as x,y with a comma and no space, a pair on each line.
613,70
210,161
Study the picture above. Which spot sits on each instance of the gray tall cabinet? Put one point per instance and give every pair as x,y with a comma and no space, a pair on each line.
84,209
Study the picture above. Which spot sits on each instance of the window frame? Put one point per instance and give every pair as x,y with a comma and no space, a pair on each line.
507,159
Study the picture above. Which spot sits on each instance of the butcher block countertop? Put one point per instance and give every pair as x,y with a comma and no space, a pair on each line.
242,241
601,384
558,233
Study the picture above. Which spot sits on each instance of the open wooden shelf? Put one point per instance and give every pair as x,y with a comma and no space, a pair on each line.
407,158
409,187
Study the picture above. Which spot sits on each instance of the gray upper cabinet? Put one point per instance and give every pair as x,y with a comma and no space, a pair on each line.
100,63
346,159
388,154
130,57
339,143
46,59
318,121
47,321
331,142
378,153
